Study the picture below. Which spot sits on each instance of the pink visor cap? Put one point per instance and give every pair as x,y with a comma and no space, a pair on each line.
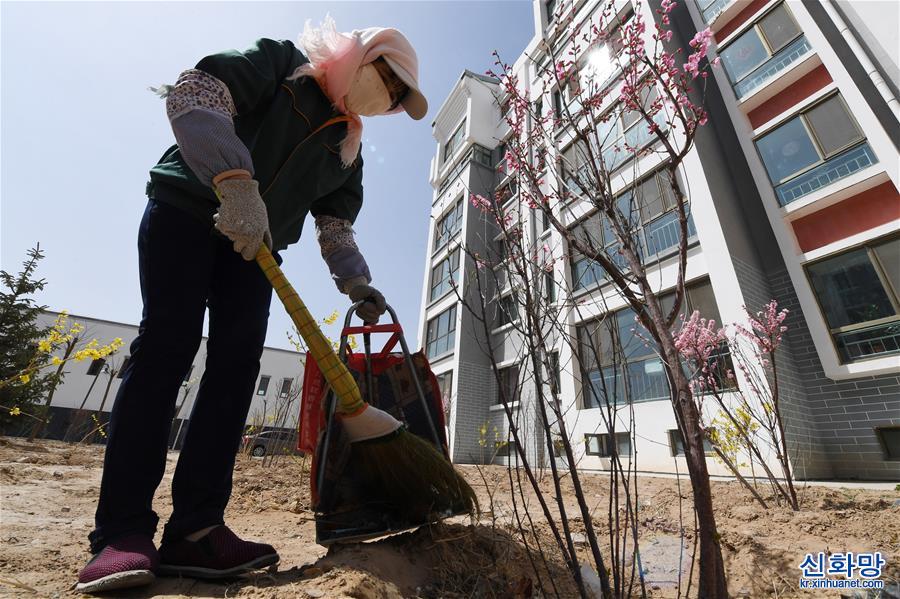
398,53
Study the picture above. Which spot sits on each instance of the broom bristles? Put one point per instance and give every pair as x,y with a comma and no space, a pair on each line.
415,476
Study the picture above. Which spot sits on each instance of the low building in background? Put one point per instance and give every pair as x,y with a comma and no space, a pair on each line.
92,385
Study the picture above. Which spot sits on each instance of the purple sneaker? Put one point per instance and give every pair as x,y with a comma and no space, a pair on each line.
220,554
124,563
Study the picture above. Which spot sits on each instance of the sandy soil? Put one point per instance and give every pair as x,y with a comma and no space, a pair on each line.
49,491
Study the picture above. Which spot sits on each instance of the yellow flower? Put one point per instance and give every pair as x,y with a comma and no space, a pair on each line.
56,360
25,378
15,411
45,346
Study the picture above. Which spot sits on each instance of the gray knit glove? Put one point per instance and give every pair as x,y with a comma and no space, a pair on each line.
242,216
373,306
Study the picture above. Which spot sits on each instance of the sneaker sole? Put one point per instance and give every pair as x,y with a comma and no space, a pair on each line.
211,573
119,580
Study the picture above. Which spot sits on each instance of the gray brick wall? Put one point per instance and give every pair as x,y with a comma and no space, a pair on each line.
830,424
808,455
476,388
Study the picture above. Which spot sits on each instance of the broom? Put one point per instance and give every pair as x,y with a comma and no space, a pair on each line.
409,470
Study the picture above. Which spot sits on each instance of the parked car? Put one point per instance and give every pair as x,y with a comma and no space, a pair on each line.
268,442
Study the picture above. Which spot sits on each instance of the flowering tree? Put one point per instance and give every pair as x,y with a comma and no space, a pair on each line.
641,103
749,421
68,340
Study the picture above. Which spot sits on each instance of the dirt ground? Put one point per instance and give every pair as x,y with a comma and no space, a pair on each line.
49,490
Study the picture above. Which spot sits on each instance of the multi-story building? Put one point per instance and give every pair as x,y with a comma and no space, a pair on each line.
793,196
92,385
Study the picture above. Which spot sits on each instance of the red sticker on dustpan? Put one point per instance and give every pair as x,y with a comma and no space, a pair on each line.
311,407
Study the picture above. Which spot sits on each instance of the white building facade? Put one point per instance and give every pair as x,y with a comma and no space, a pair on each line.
793,196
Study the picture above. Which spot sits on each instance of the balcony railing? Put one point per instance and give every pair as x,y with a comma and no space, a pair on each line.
767,70
879,340
714,10
834,169
665,233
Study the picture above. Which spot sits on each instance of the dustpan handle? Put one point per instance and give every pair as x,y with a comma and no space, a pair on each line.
407,357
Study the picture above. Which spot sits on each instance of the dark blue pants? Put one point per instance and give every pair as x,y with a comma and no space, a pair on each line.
185,269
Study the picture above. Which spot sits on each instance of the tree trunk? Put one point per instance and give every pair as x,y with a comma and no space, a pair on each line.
712,583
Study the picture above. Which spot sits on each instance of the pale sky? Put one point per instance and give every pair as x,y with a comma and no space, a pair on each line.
80,131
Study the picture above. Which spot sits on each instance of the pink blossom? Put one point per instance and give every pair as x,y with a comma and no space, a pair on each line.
666,6
512,161
479,201
766,328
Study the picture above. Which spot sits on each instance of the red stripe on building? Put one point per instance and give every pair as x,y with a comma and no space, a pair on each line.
793,95
739,19
862,212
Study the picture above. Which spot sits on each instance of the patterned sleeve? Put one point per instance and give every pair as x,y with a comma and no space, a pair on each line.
345,262
200,109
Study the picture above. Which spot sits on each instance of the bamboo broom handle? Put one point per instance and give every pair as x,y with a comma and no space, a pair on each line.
335,372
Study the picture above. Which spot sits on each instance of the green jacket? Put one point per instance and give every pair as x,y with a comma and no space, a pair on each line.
299,170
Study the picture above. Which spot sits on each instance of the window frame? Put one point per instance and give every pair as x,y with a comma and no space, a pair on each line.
893,295
452,274
261,387
879,434
810,132
608,447
641,225
614,358
673,447
282,393
755,26
441,241
504,318
453,143
503,373
451,333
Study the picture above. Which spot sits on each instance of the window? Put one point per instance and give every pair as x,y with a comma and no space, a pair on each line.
601,62
618,365
263,384
858,295
455,141
445,386
676,443
762,41
549,286
557,104
575,168
448,225
813,138
651,209
627,129
889,437
187,376
285,387
96,366
553,362
123,367
507,311
509,385
441,333
550,9
445,275
602,445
